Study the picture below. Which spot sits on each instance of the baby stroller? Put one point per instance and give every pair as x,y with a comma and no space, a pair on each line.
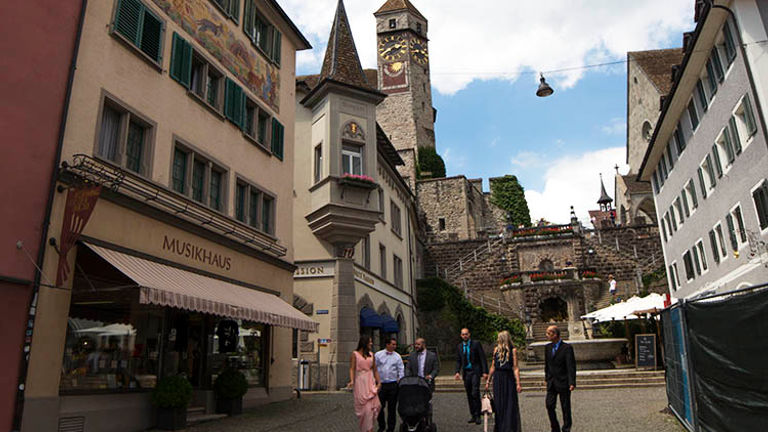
414,404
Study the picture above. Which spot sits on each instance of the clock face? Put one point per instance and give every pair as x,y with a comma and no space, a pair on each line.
419,51
392,47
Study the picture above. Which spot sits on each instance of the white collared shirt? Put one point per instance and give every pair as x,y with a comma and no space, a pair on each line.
422,361
390,366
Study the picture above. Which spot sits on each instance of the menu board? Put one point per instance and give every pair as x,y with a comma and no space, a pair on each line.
645,351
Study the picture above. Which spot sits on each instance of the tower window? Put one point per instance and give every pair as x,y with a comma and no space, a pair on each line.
392,23
418,28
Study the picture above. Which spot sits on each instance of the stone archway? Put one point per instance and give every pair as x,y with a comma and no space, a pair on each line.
553,309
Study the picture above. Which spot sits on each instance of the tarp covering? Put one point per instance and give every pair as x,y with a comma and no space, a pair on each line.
369,318
625,310
730,357
164,285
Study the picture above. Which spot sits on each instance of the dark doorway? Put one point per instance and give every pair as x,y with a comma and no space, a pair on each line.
553,309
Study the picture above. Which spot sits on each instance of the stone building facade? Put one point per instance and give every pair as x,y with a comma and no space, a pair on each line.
648,80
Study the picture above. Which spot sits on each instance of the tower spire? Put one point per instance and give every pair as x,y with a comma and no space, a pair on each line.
604,201
342,63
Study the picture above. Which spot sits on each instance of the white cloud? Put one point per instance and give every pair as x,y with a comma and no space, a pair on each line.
453,160
617,126
499,39
527,159
575,181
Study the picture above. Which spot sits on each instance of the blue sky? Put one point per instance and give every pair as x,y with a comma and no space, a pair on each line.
490,122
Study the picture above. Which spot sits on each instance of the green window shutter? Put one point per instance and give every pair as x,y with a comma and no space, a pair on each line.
277,138
711,171
693,195
718,162
234,9
713,243
181,60
229,87
248,18
730,46
732,232
233,102
736,140
749,116
728,145
703,185
686,208
151,35
277,46
128,19
243,120
760,197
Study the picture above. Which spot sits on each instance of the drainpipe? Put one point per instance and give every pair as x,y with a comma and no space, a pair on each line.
758,104
24,361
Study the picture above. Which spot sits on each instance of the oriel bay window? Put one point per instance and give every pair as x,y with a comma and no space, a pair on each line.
254,207
124,138
198,178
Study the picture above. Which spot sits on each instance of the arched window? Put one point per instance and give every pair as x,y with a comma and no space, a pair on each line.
546,265
647,131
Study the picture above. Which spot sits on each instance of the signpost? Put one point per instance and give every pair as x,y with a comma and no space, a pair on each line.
645,351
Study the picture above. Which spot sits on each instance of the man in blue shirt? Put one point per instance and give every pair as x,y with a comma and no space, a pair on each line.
391,369
472,365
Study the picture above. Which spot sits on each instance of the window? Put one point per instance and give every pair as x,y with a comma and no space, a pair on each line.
736,231
688,262
679,209
206,183
662,169
711,78
714,245
278,137
663,229
234,103
671,156
352,159
707,175
382,261
723,149
418,28
124,138
677,275
255,122
139,26
690,190
745,118
686,206
261,33
366,247
703,100
702,255
679,139
381,204
696,260
397,264
721,240
441,224
729,44
268,214
717,162
392,23
647,131
693,115
318,162
230,8
672,217
669,224
655,182
194,72
396,218
760,197
717,65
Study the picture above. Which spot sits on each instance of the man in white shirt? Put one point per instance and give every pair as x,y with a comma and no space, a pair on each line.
391,369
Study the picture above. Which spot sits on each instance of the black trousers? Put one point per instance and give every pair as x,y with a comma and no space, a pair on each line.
388,399
565,405
472,387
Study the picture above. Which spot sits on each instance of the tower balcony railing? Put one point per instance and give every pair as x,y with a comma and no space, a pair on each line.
570,274
540,231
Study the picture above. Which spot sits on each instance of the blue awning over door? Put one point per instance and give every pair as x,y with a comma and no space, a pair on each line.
390,325
369,318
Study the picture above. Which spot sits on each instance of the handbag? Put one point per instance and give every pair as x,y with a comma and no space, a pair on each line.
486,403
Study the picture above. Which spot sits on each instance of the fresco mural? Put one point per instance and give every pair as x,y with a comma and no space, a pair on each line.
200,19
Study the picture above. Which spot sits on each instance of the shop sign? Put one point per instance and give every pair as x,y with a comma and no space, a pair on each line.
322,312
196,253
314,270
80,203
324,342
364,277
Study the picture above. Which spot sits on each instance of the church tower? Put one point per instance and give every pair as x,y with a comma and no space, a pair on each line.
406,115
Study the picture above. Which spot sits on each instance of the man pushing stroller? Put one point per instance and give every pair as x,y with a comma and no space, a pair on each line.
415,390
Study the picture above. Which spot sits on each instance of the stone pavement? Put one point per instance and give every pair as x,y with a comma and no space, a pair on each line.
624,410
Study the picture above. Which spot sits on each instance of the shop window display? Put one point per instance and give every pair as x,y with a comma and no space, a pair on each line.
243,346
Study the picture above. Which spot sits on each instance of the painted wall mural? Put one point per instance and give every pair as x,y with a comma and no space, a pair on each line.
201,20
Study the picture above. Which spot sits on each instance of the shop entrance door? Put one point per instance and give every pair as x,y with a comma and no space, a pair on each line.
187,345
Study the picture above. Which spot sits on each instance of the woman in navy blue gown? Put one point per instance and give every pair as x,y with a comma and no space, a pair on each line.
506,384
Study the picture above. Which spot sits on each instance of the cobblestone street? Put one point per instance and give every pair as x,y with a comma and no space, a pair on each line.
623,410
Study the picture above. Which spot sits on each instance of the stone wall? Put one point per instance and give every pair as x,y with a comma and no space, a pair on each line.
444,199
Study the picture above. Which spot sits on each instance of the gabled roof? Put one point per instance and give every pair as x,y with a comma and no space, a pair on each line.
342,63
657,65
398,5
311,81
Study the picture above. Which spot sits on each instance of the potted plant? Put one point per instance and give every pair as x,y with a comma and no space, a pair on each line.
362,181
230,387
171,397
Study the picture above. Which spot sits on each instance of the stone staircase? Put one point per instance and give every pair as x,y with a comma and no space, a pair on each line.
539,330
585,380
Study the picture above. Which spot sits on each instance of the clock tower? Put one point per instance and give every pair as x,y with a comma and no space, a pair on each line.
406,115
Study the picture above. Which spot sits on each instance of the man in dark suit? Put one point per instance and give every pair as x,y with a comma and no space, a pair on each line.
423,363
472,365
560,374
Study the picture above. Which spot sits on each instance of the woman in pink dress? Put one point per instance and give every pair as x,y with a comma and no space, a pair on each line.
364,381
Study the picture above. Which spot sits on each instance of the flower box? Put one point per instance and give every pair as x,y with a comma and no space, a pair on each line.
361,181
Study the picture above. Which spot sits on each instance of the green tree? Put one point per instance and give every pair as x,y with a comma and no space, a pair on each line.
430,162
509,195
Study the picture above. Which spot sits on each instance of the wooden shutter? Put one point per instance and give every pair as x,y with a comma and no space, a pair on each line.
703,184
128,19
735,135
713,243
718,162
277,138
234,9
151,35
276,46
749,116
248,16
181,60
732,232
233,102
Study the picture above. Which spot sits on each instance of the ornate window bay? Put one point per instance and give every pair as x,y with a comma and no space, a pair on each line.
202,20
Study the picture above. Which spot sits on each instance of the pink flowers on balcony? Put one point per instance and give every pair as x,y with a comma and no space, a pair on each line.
364,178
358,180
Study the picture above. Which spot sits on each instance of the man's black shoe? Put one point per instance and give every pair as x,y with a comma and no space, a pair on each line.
477,420
472,420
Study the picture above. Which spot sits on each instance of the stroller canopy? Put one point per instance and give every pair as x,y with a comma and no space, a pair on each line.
413,398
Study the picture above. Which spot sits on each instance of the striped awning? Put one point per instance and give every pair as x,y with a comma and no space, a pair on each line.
164,285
